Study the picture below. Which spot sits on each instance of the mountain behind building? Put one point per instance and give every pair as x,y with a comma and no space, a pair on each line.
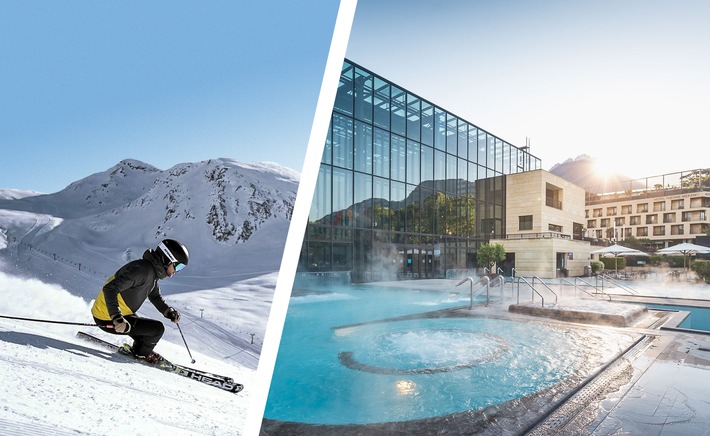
584,171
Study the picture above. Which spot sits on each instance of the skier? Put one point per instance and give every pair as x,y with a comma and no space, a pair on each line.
123,294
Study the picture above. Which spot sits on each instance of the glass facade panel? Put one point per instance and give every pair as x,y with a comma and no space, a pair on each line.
381,104
363,95
439,129
463,139
472,144
344,95
427,124
439,170
399,111
413,162
363,147
342,197
413,117
328,147
451,135
427,164
405,181
381,193
363,201
482,147
342,141
321,205
381,153
397,157
451,173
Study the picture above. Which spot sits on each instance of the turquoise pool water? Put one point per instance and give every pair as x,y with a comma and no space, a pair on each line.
340,363
699,318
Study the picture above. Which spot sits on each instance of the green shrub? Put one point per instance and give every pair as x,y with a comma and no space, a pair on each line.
596,266
613,263
702,268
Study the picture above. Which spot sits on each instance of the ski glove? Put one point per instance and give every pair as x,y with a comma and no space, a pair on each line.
172,314
121,325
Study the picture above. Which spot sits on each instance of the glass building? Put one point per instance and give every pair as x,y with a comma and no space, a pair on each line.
405,188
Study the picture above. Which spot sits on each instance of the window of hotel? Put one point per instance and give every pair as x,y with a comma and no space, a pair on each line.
698,215
677,204
669,217
659,230
626,210
604,222
677,229
553,196
659,206
555,228
620,221
599,234
642,231
525,222
642,208
635,220
611,211
699,202
597,213
698,229
591,224
652,219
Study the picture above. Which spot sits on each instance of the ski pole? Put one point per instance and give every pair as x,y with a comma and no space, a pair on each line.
48,321
183,339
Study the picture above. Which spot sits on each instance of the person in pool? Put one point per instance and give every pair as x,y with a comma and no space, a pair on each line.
114,309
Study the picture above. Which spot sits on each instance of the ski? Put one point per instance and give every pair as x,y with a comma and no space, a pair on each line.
222,382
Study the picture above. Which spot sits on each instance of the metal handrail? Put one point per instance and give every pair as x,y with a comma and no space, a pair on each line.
545,285
616,283
487,286
576,287
519,279
601,291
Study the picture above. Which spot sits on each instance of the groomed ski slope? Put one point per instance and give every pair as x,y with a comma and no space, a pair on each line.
54,383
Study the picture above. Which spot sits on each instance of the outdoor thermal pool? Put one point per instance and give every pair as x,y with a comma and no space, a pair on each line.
358,359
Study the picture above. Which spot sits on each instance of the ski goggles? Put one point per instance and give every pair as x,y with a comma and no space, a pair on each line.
176,263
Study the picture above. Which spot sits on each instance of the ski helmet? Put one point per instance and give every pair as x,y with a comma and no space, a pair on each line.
174,252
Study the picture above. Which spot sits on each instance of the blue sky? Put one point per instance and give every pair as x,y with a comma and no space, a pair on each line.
85,84
622,81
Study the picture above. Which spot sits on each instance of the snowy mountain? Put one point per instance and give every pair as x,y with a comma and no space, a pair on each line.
233,217
56,251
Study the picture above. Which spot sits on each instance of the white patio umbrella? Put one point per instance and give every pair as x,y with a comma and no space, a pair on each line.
685,249
618,250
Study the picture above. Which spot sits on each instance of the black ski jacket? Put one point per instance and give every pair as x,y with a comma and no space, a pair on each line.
126,291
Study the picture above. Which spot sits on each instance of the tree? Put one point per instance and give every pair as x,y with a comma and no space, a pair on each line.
489,254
